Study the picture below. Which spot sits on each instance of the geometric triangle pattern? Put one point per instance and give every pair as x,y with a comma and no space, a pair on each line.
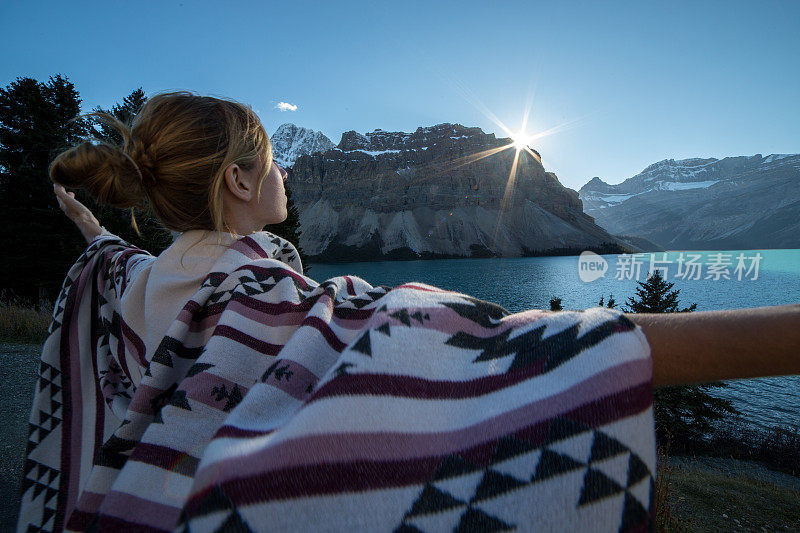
606,466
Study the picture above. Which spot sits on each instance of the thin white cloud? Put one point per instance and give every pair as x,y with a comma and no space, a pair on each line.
286,106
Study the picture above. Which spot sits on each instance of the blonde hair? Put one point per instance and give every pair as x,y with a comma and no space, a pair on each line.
172,159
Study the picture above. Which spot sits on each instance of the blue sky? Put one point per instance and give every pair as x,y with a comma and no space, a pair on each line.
624,84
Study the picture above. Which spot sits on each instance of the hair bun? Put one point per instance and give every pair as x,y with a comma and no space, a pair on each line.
105,171
144,161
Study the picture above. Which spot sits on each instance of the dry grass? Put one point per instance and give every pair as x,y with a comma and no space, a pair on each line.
24,323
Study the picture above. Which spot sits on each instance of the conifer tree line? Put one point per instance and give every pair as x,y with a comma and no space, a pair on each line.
685,413
37,122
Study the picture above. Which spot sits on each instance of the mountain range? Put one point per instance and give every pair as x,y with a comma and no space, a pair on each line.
427,194
735,203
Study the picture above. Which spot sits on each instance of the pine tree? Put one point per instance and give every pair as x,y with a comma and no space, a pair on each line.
655,295
682,413
612,303
289,229
125,112
37,121
555,304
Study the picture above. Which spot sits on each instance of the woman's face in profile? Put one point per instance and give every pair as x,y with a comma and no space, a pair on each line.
273,195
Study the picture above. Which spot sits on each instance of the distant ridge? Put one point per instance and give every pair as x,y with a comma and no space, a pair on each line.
743,202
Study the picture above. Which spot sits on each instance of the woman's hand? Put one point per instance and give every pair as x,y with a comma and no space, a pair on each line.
77,213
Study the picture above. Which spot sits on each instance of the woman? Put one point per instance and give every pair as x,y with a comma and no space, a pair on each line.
215,386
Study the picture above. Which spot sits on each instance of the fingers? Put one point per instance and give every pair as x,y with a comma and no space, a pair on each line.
66,201
59,190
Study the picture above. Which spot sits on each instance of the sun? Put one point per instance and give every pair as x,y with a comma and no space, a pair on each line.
521,140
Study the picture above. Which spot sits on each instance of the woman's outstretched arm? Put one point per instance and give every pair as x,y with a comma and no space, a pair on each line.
714,345
78,213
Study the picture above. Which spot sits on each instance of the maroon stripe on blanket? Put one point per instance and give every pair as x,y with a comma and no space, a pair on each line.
609,408
321,326
248,247
281,272
133,343
121,353
246,340
71,380
201,323
123,363
188,310
350,288
416,387
65,479
165,458
200,386
141,400
313,480
278,308
89,502
139,511
524,318
446,320
232,432
263,307
425,289
241,307
123,257
99,396
287,482
291,377
280,314
420,388
80,521
610,404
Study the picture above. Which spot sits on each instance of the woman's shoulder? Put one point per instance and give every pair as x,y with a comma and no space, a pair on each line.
268,245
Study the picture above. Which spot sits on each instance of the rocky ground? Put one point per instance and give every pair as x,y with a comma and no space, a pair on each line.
18,368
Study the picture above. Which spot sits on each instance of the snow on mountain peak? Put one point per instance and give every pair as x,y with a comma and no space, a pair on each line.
290,142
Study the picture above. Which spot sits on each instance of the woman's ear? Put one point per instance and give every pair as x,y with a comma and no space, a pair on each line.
237,183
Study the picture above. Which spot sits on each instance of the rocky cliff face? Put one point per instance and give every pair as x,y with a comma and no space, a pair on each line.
290,142
693,204
424,193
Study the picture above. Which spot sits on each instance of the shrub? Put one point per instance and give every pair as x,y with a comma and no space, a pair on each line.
21,322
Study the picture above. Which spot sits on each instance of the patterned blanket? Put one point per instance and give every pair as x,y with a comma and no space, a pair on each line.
275,402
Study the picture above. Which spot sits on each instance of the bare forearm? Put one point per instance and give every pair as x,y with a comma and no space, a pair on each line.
714,345
86,222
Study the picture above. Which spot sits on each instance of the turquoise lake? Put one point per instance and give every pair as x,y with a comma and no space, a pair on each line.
755,278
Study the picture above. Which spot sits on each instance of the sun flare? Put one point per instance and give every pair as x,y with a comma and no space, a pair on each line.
521,140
